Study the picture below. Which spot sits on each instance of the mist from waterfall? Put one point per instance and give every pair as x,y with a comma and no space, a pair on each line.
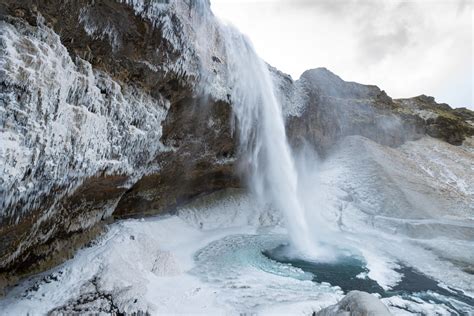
268,160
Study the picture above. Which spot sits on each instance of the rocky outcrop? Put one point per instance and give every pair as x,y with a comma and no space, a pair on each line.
439,119
324,109
123,108
336,109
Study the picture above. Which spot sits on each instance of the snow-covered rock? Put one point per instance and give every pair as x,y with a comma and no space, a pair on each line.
356,303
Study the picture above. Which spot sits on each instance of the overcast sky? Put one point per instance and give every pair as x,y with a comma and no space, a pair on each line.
407,48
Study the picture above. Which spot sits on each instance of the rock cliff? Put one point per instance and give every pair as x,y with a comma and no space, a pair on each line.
112,109
330,109
101,114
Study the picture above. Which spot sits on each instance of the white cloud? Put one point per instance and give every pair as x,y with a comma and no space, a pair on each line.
405,47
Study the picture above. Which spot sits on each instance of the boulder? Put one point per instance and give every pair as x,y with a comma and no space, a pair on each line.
356,303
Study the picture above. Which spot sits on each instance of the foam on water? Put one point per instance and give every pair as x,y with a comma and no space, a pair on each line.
248,280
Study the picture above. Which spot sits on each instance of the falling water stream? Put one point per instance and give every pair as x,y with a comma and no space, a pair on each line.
272,175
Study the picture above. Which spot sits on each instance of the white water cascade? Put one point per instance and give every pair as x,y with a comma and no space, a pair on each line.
269,163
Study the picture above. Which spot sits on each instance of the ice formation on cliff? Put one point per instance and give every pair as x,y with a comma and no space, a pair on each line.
63,121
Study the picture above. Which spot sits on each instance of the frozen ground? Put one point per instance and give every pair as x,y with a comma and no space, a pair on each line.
148,266
411,206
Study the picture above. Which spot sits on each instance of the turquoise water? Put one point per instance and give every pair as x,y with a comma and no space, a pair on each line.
347,270
251,271
342,273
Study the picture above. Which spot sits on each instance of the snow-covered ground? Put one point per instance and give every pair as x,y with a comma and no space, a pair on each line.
410,206
149,266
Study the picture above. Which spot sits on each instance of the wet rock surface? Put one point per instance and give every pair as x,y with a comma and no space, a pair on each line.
103,114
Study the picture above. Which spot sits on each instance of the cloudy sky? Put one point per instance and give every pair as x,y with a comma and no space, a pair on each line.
406,47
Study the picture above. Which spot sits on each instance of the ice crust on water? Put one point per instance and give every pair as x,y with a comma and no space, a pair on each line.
140,263
402,306
249,281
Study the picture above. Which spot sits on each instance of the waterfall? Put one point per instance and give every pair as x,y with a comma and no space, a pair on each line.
268,159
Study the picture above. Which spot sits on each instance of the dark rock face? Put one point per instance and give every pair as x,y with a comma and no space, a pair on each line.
202,163
440,120
103,114
337,108
333,108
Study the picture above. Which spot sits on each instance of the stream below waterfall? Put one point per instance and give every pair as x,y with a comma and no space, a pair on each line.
226,261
